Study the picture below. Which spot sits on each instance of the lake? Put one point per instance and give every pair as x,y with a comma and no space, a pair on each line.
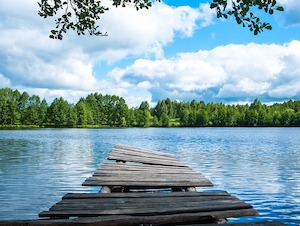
259,165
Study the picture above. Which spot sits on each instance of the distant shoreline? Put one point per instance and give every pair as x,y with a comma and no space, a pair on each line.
12,127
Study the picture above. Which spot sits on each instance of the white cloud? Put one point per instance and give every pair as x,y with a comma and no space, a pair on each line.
31,62
4,82
144,31
291,14
29,59
206,15
226,72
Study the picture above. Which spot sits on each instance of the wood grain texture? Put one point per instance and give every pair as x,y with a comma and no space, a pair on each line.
133,154
213,205
145,169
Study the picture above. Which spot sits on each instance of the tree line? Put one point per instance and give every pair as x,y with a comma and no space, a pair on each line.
97,110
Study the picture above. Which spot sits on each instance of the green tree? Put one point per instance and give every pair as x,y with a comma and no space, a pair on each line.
31,114
192,118
81,112
59,112
143,118
276,118
23,101
94,113
82,16
130,117
165,120
296,119
202,118
184,119
9,109
43,111
144,106
287,117
155,122
119,112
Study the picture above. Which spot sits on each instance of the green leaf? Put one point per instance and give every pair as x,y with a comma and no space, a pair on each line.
271,11
268,27
280,8
213,5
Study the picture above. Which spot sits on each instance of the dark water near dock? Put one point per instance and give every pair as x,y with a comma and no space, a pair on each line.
259,165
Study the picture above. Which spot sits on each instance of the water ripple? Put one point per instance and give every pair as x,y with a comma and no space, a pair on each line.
258,165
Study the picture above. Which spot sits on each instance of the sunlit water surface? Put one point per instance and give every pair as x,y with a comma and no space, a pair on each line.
259,165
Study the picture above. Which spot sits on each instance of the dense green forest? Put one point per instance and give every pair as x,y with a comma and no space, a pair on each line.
97,110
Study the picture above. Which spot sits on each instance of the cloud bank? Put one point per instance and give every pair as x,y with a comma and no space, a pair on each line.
227,73
30,61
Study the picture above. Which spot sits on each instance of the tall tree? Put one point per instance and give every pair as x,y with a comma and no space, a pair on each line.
165,120
30,115
43,111
81,112
59,112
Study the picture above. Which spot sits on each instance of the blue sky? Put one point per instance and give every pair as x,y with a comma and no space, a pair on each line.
177,49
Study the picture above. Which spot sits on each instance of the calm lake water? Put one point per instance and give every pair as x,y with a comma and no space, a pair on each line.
259,165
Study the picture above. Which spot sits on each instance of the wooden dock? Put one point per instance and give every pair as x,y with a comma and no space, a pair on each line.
145,169
127,197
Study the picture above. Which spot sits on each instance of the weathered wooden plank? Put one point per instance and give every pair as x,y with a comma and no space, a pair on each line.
144,195
140,152
148,209
98,210
153,175
137,208
131,153
144,204
135,172
95,181
143,168
143,150
153,161
107,166
149,200
148,182
128,167
150,176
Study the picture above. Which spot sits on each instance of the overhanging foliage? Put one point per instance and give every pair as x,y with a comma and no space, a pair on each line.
82,15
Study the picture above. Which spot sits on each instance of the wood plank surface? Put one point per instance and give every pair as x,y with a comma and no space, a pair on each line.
145,169
140,153
148,169
108,166
133,154
142,150
145,183
145,160
144,195
165,205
